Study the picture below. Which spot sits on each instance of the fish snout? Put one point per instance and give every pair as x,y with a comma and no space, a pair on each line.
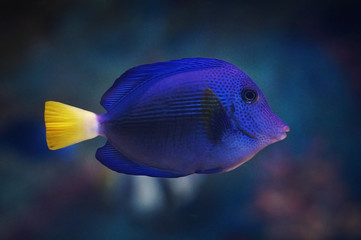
286,128
282,131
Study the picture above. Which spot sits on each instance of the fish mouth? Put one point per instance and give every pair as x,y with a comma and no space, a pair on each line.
282,135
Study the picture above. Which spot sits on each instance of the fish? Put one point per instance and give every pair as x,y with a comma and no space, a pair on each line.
172,119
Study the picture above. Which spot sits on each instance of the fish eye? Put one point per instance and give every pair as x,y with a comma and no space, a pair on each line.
249,95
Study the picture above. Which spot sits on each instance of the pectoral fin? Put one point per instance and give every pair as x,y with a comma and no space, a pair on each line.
215,117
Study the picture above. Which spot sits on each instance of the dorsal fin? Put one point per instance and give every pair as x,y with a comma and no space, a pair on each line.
137,76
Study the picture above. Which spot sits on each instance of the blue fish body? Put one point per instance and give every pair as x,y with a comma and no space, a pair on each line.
180,117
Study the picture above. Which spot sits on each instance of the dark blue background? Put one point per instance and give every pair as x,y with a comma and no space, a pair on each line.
306,58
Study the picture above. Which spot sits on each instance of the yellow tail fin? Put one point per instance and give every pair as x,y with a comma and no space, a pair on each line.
66,125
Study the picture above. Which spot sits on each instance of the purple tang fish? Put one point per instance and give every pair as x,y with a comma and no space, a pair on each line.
172,119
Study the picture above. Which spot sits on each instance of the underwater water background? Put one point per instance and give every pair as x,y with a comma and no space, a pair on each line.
306,58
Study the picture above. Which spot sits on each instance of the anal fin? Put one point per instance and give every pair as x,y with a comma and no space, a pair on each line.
114,160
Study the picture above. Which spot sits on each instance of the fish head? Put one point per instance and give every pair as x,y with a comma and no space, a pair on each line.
254,120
